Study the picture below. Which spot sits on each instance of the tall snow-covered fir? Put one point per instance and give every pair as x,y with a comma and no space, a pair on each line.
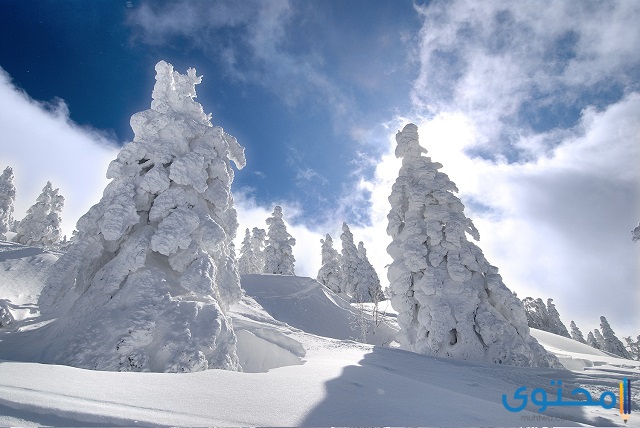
349,262
369,288
329,274
278,253
576,334
146,282
258,237
555,323
247,261
42,226
7,198
611,343
450,300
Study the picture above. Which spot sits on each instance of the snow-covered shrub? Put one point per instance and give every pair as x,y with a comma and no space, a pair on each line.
7,197
278,254
329,273
576,334
610,342
148,278
450,300
41,227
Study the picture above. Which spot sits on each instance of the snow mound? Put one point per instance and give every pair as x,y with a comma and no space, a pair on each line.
305,304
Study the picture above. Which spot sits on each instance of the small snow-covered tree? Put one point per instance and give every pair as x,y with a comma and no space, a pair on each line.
610,342
633,347
599,339
536,312
6,317
555,323
591,340
247,261
7,197
278,254
329,274
146,284
41,226
368,289
258,237
635,233
349,263
576,334
450,300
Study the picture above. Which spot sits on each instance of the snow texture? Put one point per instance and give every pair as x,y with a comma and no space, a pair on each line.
576,334
7,197
450,301
278,253
610,342
329,273
145,284
41,227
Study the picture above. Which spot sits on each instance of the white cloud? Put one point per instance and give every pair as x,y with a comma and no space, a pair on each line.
42,144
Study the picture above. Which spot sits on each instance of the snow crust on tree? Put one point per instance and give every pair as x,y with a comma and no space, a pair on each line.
6,317
146,282
544,317
555,323
247,261
41,227
368,289
7,198
350,262
576,334
633,347
635,233
599,339
329,274
610,342
591,340
450,301
278,253
258,237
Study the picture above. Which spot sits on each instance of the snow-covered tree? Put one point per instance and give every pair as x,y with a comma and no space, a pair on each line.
41,227
368,289
278,254
247,261
6,317
329,274
555,323
536,312
599,339
635,233
450,300
576,334
146,284
633,347
257,244
349,263
610,342
7,197
591,340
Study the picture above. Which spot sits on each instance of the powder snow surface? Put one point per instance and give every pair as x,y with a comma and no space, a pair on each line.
301,369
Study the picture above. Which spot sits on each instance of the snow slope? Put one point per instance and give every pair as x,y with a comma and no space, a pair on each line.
295,373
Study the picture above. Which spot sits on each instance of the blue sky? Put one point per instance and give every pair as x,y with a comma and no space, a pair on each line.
532,108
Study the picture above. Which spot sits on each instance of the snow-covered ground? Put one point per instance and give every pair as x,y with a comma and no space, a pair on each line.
301,369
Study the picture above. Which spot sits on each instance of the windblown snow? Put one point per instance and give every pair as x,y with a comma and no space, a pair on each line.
301,368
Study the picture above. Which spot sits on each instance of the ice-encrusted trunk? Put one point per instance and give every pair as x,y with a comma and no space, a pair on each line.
451,302
147,280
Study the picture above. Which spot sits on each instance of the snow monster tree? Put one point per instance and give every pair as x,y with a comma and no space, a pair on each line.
451,302
146,283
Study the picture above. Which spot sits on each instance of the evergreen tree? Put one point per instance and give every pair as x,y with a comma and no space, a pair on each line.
576,334
610,342
599,339
329,274
41,227
450,300
536,312
591,341
633,347
555,324
247,261
369,289
146,284
635,233
257,244
6,317
7,197
278,254
349,263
